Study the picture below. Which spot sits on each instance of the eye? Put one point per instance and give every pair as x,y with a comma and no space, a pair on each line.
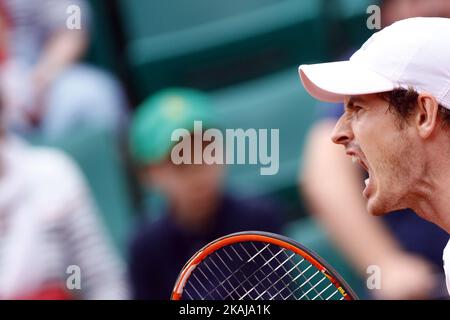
353,109
356,108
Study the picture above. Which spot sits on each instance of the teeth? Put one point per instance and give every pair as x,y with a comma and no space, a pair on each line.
354,159
367,181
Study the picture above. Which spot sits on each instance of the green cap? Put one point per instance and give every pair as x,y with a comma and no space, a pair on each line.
162,113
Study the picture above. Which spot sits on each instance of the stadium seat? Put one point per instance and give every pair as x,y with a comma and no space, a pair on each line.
274,102
346,24
354,16
211,43
103,50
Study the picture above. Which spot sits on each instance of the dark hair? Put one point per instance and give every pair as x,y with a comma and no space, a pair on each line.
403,103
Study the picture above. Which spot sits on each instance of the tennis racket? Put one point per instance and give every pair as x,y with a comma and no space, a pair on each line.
258,266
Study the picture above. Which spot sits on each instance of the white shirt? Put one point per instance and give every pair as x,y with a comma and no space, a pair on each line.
48,222
446,258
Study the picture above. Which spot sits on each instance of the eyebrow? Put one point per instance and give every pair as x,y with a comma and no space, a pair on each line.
354,100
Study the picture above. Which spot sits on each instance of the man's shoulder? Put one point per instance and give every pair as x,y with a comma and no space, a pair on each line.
52,179
259,213
257,206
446,258
52,168
150,235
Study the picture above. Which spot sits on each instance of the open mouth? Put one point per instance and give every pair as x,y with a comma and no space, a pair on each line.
360,161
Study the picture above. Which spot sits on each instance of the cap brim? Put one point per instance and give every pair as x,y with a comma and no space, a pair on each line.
333,81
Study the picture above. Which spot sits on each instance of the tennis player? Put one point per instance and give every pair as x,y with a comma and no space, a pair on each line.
396,124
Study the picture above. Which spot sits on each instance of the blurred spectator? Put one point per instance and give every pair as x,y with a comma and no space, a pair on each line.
406,248
198,210
48,222
43,85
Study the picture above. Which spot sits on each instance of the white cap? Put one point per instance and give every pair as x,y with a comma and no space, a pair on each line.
413,53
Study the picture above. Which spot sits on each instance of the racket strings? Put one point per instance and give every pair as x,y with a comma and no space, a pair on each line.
293,280
284,285
256,270
246,280
266,263
226,279
292,293
266,276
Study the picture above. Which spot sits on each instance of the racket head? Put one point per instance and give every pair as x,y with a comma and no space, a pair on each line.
254,265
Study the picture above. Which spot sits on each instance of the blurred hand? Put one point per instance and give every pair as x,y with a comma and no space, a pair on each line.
41,78
405,276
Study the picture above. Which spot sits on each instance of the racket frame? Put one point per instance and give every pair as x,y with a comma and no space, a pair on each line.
266,237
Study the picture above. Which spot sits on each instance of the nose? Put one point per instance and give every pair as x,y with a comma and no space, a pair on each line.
342,132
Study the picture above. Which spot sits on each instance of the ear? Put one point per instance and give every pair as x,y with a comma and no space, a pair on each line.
427,114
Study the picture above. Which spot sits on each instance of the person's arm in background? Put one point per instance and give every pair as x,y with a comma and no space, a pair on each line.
333,187
62,47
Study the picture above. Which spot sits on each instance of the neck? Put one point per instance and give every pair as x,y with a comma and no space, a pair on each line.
431,199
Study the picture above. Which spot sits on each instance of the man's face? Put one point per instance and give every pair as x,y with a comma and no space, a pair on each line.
373,136
193,189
